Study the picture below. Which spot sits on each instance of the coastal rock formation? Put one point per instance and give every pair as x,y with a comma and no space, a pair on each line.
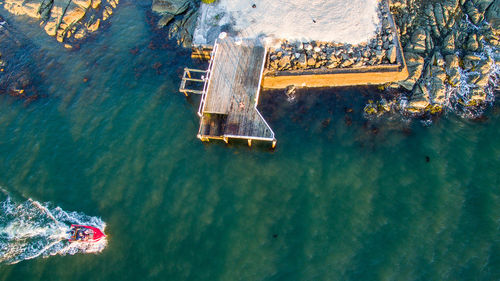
381,49
452,53
67,20
179,16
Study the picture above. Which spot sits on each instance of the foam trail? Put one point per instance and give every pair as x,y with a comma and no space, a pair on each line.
31,229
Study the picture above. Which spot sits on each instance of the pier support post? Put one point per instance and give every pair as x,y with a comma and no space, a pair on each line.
226,140
249,142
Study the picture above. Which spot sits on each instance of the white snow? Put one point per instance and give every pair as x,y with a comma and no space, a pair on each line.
342,21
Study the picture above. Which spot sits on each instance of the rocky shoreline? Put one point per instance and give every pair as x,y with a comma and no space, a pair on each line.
451,50
68,21
451,47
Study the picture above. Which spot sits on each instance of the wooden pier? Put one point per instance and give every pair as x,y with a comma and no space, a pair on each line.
228,106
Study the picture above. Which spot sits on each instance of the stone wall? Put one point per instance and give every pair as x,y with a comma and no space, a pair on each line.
379,50
327,64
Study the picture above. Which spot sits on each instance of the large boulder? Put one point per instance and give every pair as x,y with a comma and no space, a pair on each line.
437,85
449,44
415,64
419,100
452,70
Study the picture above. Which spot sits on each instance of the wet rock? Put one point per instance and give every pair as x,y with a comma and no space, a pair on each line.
16,67
478,96
415,64
469,61
439,16
472,44
418,40
449,44
419,101
437,85
474,14
174,7
484,69
165,20
452,70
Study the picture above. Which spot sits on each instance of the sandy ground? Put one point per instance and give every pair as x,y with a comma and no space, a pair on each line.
352,21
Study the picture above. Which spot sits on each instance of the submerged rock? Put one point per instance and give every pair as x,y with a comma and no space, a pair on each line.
16,72
68,21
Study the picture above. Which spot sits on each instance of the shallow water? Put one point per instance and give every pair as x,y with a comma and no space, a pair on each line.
341,198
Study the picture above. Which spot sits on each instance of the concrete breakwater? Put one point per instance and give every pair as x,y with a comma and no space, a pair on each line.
326,64
380,50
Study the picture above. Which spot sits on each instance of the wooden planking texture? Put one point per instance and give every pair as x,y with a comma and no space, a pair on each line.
233,88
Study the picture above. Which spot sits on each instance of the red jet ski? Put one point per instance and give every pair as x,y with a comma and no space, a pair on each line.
85,233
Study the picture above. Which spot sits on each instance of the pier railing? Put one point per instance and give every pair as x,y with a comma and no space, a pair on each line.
207,81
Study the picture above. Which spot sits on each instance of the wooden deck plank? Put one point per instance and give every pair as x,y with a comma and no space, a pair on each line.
234,85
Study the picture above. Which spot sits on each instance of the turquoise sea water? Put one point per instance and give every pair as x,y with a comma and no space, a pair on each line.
341,198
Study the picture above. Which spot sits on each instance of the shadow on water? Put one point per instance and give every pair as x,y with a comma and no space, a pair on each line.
330,114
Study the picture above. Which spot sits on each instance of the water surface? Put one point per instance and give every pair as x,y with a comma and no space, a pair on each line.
341,198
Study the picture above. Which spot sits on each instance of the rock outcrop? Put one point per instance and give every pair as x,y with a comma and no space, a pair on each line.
67,20
452,53
179,16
